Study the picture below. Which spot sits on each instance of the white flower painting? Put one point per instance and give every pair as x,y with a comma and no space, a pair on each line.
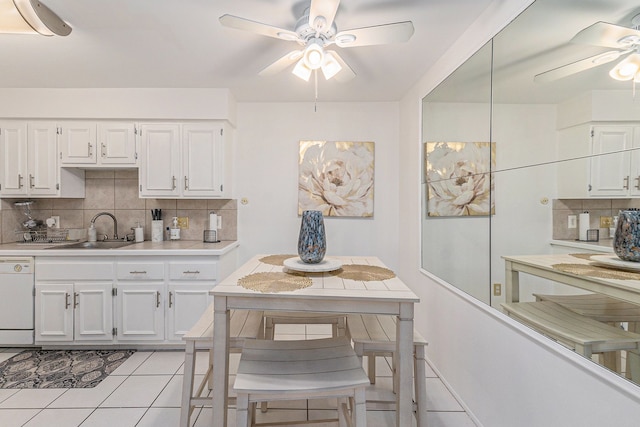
336,178
459,180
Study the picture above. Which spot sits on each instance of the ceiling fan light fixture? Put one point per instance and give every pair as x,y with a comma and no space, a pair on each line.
302,71
627,68
313,56
330,66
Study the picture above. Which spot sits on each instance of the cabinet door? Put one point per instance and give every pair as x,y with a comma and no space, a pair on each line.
140,311
202,160
117,143
77,143
43,159
54,312
610,172
159,171
13,158
187,302
93,315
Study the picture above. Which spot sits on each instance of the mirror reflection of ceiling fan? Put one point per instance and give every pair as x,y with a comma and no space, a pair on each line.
625,41
315,31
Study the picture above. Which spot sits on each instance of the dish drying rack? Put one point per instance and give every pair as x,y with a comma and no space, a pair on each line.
49,235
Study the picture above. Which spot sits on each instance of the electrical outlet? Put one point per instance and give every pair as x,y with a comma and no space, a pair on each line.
57,220
497,289
183,222
572,221
606,222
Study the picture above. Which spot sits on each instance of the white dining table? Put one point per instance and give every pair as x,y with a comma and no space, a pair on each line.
328,293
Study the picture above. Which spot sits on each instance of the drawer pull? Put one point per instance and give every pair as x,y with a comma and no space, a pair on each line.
626,183
66,300
138,272
170,299
191,272
20,181
157,299
75,299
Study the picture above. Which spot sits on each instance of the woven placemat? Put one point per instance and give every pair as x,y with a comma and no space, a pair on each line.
275,259
274,282
583,256
364,273
595,271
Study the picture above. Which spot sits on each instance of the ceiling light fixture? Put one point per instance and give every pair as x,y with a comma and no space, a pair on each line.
627,68
313,58
30,17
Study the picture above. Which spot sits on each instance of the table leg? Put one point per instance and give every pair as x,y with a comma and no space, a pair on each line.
512,283
220,361
404,365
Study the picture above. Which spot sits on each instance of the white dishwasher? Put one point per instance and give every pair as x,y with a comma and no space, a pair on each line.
16,301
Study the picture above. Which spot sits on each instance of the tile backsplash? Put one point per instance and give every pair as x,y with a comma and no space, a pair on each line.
116,192
562,208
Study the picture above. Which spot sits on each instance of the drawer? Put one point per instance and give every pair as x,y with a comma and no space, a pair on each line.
140,270
74,270
193,270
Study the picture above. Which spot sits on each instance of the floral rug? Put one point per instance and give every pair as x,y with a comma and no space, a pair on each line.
60,368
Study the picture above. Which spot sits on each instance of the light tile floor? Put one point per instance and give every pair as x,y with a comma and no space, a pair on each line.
145,392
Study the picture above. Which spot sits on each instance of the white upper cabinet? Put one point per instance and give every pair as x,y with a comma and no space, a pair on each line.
184,160
615,167
29,159
97,144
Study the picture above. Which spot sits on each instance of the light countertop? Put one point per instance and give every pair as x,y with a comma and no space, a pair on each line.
177,247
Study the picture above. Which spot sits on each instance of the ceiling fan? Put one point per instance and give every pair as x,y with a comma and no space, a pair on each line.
625,41
314,32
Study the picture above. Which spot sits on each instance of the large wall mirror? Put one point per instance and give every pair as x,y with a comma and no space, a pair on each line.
519,142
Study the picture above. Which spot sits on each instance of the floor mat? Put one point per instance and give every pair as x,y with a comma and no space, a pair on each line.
60,368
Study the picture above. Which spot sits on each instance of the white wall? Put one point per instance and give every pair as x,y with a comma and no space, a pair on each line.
505,375
267,139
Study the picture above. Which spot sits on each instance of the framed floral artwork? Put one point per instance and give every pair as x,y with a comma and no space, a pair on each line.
336,178
459,178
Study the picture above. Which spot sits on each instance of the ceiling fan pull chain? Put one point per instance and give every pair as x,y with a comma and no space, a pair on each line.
315,78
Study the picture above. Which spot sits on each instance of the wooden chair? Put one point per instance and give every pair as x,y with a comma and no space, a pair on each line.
603,309
273,318
374,336
244,325
301,369
580,333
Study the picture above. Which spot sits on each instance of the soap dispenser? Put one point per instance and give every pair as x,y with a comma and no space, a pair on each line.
93,234
175,230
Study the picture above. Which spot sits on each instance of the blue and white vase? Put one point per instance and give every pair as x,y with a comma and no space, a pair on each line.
626,240
312,242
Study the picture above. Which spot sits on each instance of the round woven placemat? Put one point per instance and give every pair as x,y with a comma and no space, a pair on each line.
275,259
595,271
365,273
274,282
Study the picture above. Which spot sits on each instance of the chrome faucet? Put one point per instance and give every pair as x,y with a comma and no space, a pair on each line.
115,223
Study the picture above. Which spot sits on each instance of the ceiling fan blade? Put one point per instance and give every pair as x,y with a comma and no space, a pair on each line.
257,27
607,35
380,34
578,66
324,8
281,63
346,73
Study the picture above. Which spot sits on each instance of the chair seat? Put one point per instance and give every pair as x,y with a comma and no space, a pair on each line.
302,369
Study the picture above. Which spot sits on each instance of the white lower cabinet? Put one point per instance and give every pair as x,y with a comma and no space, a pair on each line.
186,303
68,312
151,300
140,311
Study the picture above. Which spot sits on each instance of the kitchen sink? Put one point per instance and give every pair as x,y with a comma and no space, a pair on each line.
104,244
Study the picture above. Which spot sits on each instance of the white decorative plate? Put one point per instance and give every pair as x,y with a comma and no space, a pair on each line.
323,266
615,262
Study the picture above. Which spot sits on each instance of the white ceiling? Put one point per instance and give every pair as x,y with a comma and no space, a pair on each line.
171,43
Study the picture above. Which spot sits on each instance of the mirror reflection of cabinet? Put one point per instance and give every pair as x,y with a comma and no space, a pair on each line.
616,174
